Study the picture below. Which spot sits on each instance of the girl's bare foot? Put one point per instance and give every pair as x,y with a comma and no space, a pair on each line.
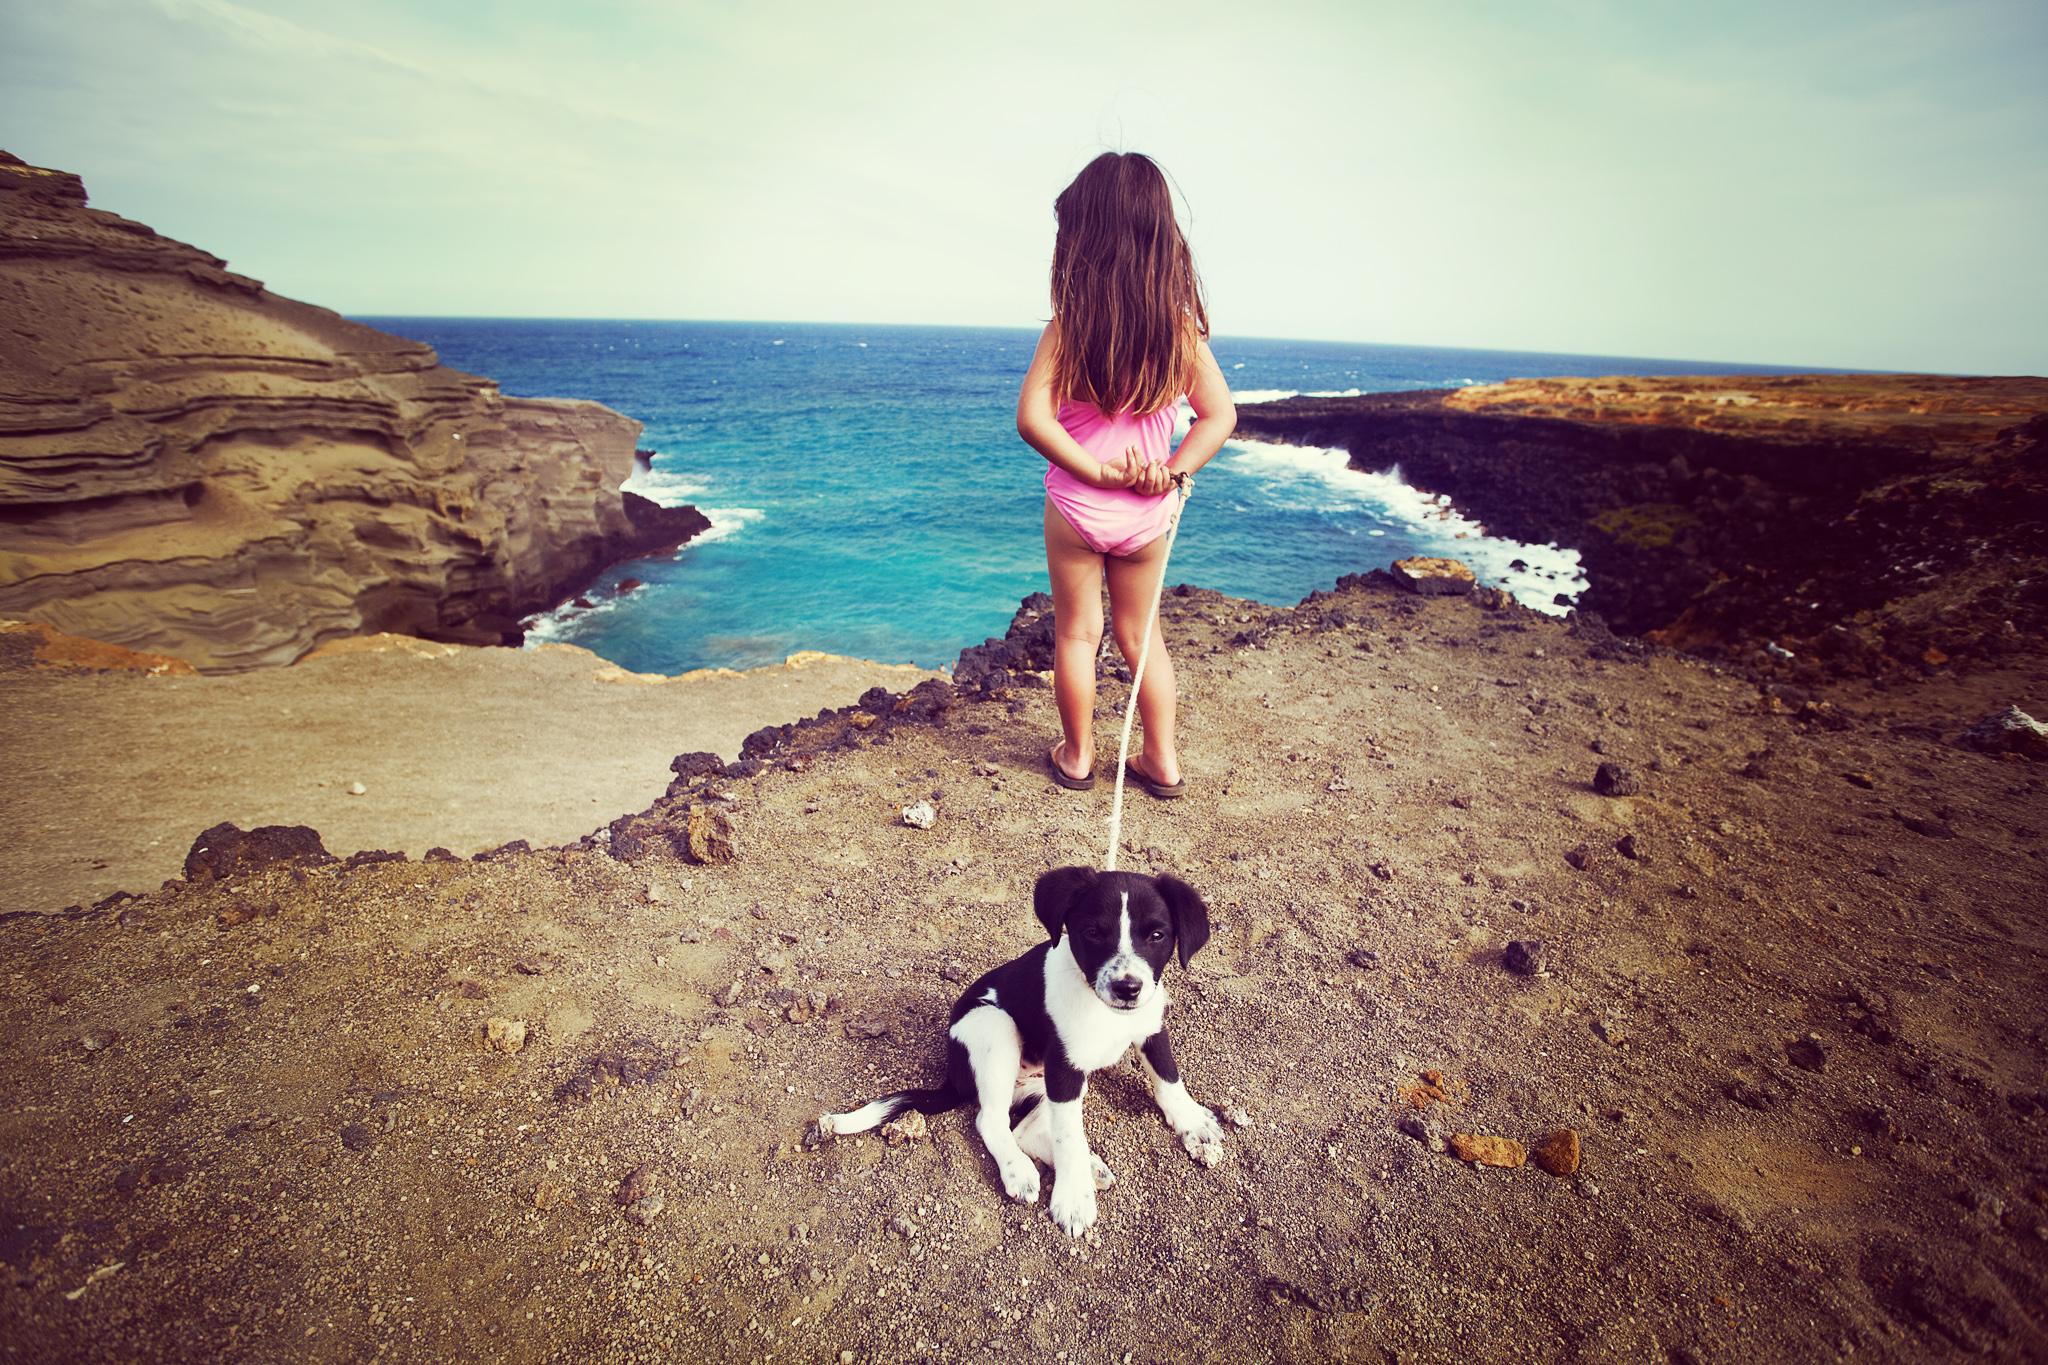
1065,776
1154,778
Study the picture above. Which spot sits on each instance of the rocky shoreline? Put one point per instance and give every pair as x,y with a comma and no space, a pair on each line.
192,465
1826,526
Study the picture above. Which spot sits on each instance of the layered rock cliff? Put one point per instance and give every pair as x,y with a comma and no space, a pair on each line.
193,465
1855,521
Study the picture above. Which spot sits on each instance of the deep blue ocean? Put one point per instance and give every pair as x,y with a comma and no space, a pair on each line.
869,495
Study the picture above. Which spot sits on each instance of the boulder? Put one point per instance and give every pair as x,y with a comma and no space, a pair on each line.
2011,731
226,850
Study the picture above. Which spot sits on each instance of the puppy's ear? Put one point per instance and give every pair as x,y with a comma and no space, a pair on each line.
1055,892
1190,915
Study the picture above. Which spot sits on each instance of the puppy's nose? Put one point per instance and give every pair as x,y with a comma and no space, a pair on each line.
1126,988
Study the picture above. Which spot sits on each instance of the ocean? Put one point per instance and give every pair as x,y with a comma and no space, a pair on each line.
869,495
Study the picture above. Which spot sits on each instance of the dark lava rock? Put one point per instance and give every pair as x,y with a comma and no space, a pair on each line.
695,764
1526,957
1611,779
654,527
437,854
1026,647
634,1061
1579,856
1807,1055
226,849
365,857
504,850
1629,847
765,741
357,1137
1365,959
1932,829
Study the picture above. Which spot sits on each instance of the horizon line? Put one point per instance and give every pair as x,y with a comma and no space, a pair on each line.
1764,366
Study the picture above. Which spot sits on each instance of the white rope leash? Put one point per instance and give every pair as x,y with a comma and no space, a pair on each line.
1123,748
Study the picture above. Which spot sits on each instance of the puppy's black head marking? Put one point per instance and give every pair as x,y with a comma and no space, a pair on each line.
1190,915
1054,892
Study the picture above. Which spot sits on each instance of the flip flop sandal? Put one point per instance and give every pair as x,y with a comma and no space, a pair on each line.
1064,778
1153,786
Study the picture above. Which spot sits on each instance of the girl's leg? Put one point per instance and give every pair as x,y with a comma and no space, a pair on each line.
1076,573
1133,579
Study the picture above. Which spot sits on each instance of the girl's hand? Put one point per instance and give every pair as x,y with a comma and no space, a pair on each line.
1152,480
1122,474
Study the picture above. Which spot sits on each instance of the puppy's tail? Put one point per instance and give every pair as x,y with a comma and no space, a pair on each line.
877,1112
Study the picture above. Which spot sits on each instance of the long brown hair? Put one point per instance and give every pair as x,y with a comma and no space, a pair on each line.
1124,289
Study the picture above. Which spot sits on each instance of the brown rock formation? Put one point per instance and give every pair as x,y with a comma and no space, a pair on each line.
1857,521
192,465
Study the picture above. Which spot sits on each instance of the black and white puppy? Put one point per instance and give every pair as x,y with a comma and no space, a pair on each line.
1034,1028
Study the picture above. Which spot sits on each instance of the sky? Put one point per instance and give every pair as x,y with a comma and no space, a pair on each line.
1837,184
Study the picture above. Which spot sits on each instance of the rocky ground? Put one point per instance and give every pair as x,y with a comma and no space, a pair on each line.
1787,999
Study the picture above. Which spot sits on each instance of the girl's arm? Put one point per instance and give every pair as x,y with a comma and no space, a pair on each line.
1215,415
1038,423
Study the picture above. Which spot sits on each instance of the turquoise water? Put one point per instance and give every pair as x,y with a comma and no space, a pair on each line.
869,495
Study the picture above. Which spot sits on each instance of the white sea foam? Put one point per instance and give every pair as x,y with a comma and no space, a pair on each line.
670,489
1275,395
663,485
726,522
1321,479
565,622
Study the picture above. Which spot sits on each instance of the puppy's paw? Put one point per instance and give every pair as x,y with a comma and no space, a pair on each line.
1202,1136
1104,1177
1073,1209
1020,1177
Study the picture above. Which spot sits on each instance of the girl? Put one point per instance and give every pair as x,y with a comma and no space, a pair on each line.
1128,339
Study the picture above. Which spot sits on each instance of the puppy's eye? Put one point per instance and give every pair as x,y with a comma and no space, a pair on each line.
1155,935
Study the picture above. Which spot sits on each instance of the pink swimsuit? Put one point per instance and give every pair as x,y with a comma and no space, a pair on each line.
1113,521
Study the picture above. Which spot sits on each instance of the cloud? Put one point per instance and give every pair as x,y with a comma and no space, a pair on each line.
1832,184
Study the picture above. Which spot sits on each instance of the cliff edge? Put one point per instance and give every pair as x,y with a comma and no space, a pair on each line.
1863,524
193,465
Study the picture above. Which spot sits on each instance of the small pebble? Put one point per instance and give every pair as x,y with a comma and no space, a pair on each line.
505,1035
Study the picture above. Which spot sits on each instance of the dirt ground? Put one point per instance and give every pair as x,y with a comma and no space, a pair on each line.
1792,1008
458,746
